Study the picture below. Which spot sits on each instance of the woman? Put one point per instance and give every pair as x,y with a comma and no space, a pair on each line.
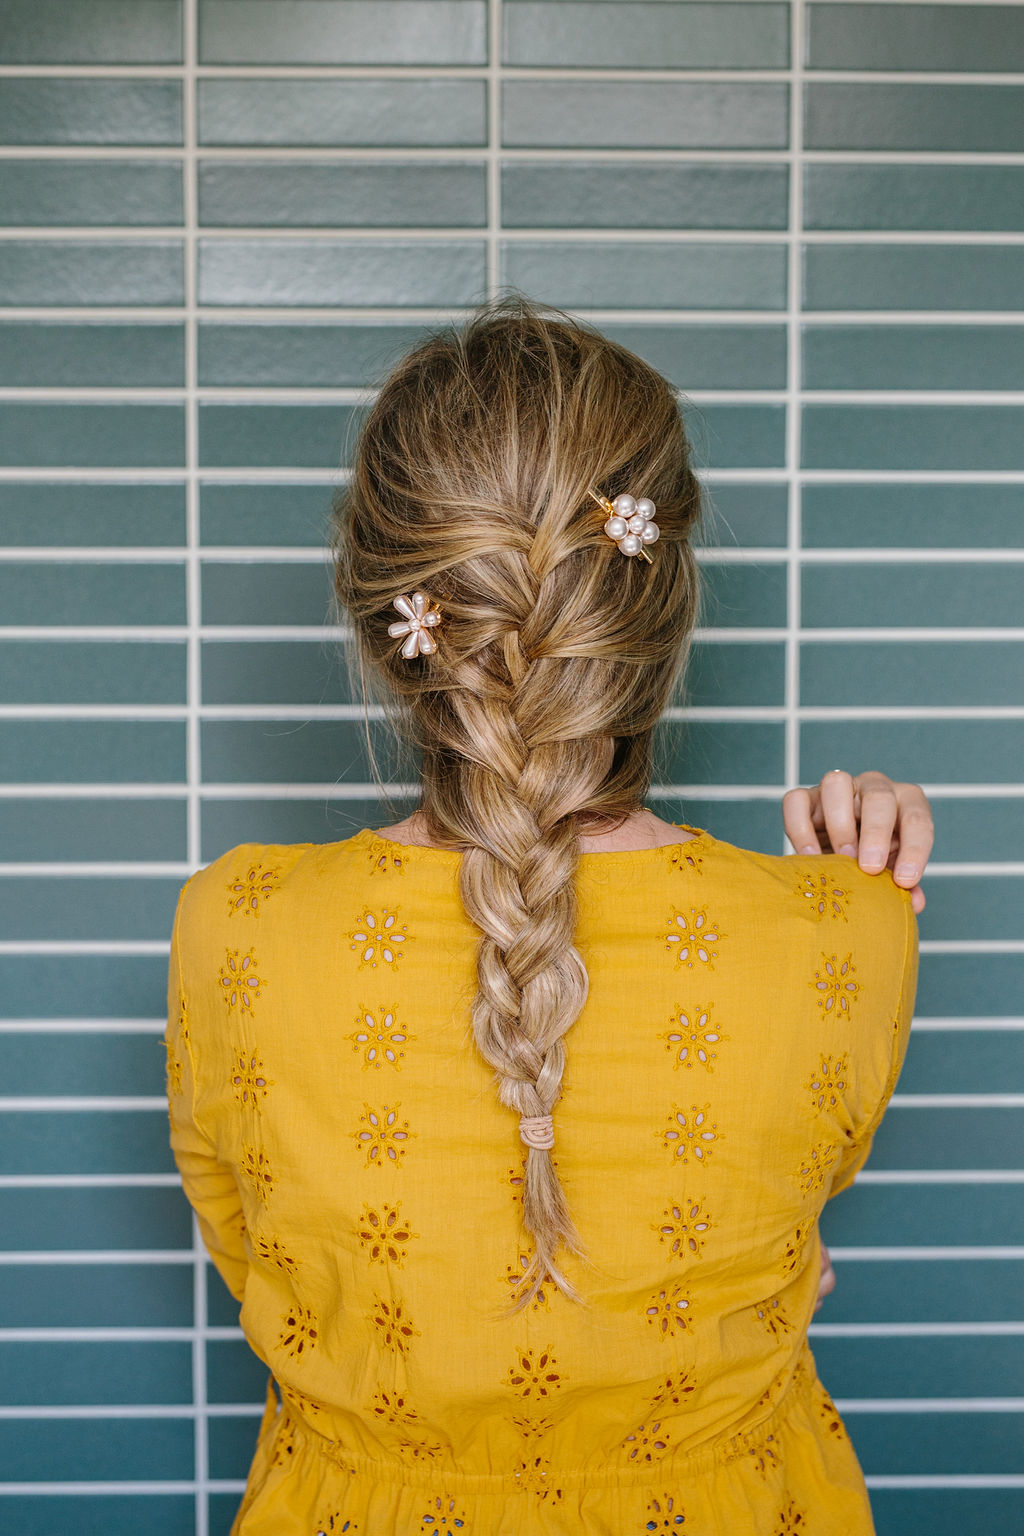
510,1125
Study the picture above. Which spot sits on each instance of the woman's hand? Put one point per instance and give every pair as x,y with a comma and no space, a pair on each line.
869,818
826,1278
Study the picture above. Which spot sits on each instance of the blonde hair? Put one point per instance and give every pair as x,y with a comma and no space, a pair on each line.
556,656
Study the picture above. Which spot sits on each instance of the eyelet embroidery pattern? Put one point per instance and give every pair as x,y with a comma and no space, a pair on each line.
532,1474
239,980
823,895
390,1407
419,1450
828,1082
249,1081
383,1234
248,892
792,1259
791,1522
378,938
336,1525
386,857
765,1457
835,985
682,1227
379,1040
690,1133
256,1166
664,1514
384,1137
175,1069
443,1515
772,1317
669,1311
306,1407
650,1441
284,1441
692,1037
532,1429
693,935
300,1333
272,1252
513,1277
816,1166
394,1328
534,1375
686,863
829,1415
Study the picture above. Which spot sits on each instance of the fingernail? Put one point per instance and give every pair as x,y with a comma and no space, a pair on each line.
871,858
810,849
906,872
849,850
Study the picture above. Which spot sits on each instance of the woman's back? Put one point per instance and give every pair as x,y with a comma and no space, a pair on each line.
360,1185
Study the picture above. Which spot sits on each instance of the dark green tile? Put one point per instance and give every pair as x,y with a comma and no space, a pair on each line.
915,1137
233,1373
375,194
89,671
275,436
651,275
543,114
342,32
92,751
926,1215
305,354
912,516
719,752
84,1218
39,1374
936,1443
52,435
226,823
108,272
943,1511
45,110
970,986
966,596
340,272
978,437
85,1514
919,673
223,1508
694,357
274,672
129,1141
744,823
974,907
955,357
62,513
90,592
222,1310
979,829
914,277
288,751
737,436
964,1061
972,118
927,1291
264,594
82,987
970,197
83,830
909,37
310,113
637,36
741,596
623,195
97,1450
109,356
747,514
927,751
98,1295
249,515
736,674
92,32
873,1368
87,907
232,1442
53,192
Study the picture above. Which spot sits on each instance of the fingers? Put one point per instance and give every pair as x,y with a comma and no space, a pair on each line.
916,833
879,816
827,1279
839,811
798,806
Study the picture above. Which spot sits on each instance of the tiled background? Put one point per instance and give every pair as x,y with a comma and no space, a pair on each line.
220,221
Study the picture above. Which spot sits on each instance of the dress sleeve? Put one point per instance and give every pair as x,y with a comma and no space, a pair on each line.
208,1183
856,1155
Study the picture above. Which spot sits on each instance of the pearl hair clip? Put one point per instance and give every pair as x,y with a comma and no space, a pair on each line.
418,619
630,523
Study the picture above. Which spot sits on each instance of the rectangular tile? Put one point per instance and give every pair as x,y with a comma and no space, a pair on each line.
307,114
742,596
747,514
99,355
90,592
970,986
83,987
89,671
375,194
49,110
971,118
98,1295
867,196
927,1291
719,752
87,907
123,192
652,275
919,516
967,437
970,597
108,272
225,823
305,353
95,1514
922,673
274,672
910,37
84,830
637,35
97,1450
974,907
924,1215
659,114
272,751
233,1373
340,272
624,195
275,436
40,1374
84,1218
86,1141
222,1310
62,513
975,828
943,1511
92,32
899,1368
694,357
250,515
914,1137
92,751
737,436
954,357
964,1061
107,436
342,32
232,1442
925,751
745,823
914,277
223,1508
733,674
901,1443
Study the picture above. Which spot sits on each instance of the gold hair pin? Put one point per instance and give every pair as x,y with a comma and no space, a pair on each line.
630,523
418,619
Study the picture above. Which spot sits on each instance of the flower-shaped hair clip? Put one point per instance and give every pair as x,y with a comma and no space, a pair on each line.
419,618
630,523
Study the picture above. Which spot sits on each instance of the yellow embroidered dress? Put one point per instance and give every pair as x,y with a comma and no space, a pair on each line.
358,1186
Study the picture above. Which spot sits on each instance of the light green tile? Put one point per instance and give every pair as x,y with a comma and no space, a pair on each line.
92,751
124,192
48,110
223,1508
42,1374
914,277
310,113
623,195
652,275
87,908
46,1219
970,986
425,194
93,1514
695,357
87,272
975,907
303,354
737,436
921,751
867,196
83,830
653,115
936,1443
900,1368
342,31
975,828
968,596
98,1295
94,354
274,672
919,516
233,1373
282,751
276,436
89,671
948,674
90,592
915,1137
635,35
967,437
92,32
226,823
340,272
731,674
97,1450
86,1141
62,513
742,596
249,515
910,37
943,1511
720,752
965,1061
971,118
744,823
52,435
953,357
747,514
953,1215
232,1442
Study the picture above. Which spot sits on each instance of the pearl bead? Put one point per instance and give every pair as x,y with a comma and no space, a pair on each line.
650,533
630,545
624,505
637,523
645,506
616,528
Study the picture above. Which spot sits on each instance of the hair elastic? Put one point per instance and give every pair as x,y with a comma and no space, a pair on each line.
537,1131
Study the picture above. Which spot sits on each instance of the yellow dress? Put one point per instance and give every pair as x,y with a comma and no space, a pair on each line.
358,1186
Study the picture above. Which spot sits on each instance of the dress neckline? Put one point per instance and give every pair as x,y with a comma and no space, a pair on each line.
700,840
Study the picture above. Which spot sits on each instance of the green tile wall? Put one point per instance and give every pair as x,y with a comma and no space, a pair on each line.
221,221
